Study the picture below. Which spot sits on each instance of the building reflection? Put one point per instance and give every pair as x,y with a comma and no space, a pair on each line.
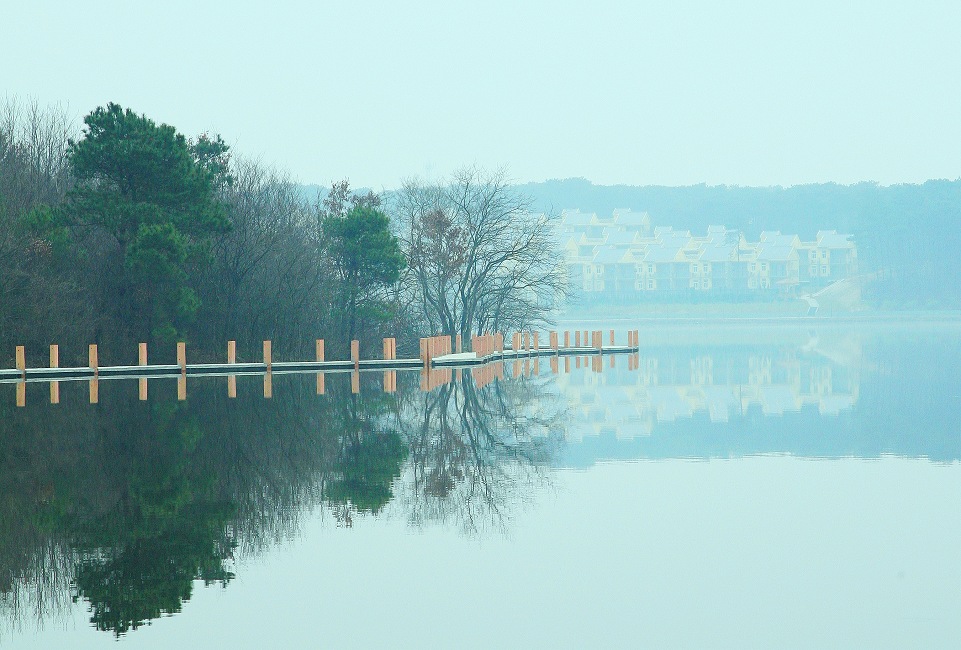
670,384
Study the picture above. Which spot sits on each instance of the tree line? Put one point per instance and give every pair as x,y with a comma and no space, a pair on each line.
126,230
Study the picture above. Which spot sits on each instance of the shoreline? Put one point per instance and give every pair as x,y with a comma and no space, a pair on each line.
900,319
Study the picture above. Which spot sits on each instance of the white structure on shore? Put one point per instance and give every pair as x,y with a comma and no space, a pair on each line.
620,258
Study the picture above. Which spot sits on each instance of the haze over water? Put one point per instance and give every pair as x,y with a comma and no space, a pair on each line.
784,486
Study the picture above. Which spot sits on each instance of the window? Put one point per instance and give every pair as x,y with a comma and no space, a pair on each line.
650,269
752,283
813,270
651,284
765,283
695,284
706,267
753,267
824,269
706,284
764,266
694,268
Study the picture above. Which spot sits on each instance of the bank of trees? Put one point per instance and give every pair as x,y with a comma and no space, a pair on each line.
127,230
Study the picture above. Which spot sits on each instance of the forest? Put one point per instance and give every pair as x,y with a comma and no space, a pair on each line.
126,231
123,230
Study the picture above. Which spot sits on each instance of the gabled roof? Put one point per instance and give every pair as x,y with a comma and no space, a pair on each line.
773,253
719,252
611,256
661,253
620,237
576,218
831,239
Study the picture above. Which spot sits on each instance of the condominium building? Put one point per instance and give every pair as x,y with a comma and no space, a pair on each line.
621,258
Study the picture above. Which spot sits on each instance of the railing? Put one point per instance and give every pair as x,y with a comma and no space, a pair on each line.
436,362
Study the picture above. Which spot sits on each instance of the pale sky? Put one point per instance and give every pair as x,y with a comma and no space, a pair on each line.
668,93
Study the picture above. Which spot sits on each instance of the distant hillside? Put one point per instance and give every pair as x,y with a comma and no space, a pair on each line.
912,233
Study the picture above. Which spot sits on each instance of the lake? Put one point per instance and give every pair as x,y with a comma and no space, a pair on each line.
778,486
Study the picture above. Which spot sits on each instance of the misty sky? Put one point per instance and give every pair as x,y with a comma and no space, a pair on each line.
666,93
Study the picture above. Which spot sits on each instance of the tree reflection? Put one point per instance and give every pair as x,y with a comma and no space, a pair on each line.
370,459
476,452
126,506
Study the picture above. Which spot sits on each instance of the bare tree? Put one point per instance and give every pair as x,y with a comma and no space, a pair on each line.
480,259
266,280
38,295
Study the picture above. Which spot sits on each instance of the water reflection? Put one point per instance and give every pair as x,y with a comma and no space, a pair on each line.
671,382
817,394
476,451
125,506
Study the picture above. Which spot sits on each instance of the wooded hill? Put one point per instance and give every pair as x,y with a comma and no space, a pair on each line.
912,233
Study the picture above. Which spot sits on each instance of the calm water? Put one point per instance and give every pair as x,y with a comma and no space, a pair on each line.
778,487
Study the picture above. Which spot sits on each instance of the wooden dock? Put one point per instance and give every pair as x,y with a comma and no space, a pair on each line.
439,356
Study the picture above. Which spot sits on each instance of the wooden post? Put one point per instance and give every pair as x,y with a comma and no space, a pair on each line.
527,342
355,382
92,359
577,339
386,349
612,337
535,343
320,375
22,384
182,379
232,379
54,385
269,375
423,351
554,365
355,353
142,382
22,362
553,340
567,364
567,338
460,342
